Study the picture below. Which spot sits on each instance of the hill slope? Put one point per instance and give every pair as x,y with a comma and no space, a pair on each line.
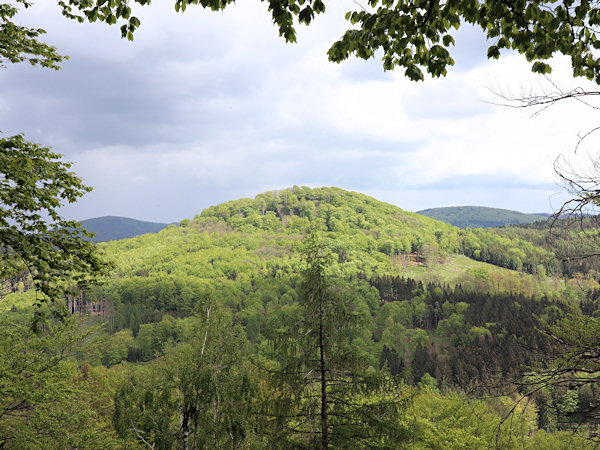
249,238
112,228
420,294
480,216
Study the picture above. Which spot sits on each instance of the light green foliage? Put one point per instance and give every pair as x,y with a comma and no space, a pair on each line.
18,301
34,238
43,402
506,247
428,382
449,420
197,395
363,232
430,253
228,243
19,43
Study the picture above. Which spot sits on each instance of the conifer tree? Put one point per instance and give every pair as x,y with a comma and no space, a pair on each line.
328,396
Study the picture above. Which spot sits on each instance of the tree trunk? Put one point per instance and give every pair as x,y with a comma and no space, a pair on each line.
324,415
185,427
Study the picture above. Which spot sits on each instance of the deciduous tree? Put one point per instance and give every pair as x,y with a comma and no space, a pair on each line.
198,395
416,35
34,237
19,43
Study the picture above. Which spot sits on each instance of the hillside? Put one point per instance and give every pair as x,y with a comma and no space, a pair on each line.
231,244
431,311
248,253
480,216
112,228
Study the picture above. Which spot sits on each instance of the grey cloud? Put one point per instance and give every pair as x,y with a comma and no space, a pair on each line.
197,112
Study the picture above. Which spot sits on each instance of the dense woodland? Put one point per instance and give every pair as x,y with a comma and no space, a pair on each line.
303,318
481,216
229,330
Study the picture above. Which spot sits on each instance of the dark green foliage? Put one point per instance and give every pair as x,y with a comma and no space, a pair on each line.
415,35
328,395
418,36
480,216
566,379
472,335
391,360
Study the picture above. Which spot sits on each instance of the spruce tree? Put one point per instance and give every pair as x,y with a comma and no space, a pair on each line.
327,395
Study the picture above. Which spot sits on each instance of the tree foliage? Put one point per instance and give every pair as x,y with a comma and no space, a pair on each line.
34,184
19,43
567,375
328,396
195,396
417,35
43,401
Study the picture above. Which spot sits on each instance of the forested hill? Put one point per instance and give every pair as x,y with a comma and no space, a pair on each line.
367,236
388,228
247,254
112,228
207,311
480,216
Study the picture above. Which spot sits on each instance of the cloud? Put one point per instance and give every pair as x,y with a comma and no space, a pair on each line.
206,107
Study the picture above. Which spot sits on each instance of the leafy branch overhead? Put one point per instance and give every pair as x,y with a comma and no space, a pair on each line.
416,34
19,43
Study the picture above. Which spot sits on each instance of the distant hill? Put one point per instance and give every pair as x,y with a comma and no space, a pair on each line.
112,228
480,216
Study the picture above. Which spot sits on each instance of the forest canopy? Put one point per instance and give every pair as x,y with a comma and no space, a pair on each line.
211,333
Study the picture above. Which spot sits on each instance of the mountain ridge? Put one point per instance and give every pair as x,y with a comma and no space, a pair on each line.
481,216
112,228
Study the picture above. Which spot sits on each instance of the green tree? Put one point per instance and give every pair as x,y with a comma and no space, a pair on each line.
416,35
19,43
197,395
41,403
572,365
328,396
34,183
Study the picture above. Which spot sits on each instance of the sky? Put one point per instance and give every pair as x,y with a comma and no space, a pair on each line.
204,107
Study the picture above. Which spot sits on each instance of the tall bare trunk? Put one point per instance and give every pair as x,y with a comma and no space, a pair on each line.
324,415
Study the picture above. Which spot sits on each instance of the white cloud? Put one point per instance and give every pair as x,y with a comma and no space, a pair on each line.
203,107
